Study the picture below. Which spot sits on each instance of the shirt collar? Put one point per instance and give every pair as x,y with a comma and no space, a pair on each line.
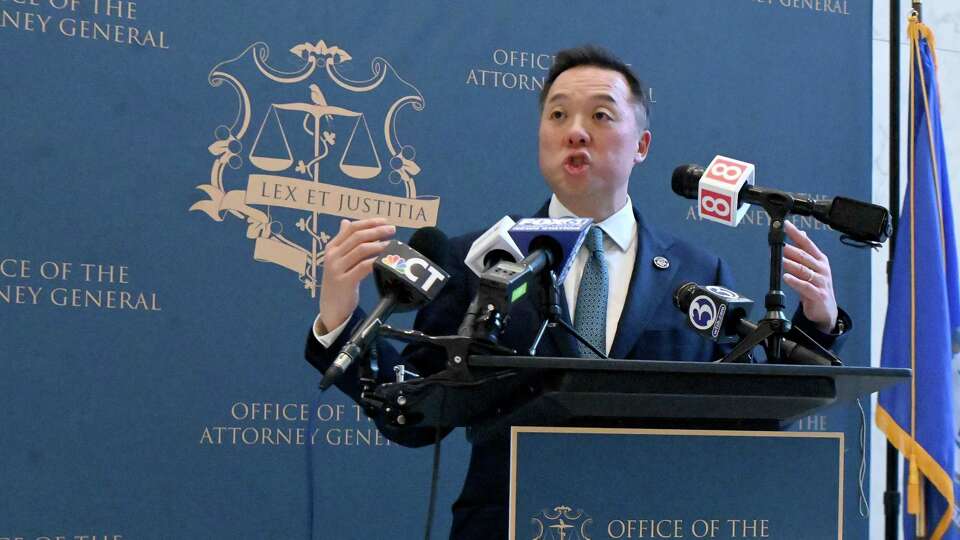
619,227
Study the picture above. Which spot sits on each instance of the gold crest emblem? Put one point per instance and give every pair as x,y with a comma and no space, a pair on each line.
314,141
561,523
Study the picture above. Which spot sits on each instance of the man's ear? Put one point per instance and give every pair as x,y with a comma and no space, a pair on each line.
643,147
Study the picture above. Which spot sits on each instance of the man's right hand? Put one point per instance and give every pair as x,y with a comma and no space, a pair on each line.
348,259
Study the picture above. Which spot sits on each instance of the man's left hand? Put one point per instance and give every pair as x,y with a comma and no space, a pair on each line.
807,271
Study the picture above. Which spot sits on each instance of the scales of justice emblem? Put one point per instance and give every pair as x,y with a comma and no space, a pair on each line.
302,156
561,523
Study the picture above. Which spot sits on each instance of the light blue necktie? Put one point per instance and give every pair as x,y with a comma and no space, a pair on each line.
590,319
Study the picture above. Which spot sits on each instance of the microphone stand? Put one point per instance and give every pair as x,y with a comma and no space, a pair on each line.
366,373
458,349
774,325
551,313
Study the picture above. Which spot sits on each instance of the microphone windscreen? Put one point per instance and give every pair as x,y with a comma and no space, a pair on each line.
433,244
684,295
860,220
686,179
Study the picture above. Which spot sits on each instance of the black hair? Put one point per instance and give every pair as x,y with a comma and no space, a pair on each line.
592,55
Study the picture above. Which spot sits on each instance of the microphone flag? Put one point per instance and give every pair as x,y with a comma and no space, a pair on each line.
719,190
403,271
565,233
497,241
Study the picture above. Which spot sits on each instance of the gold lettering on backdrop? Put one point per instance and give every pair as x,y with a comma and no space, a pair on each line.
829,7
312,155
678,528
72,285
813,422
64,536
256,424
517,70
113,21
759,217
512,70
340,201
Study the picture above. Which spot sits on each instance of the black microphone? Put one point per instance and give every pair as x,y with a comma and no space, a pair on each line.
488,250
719,314
406,279
551,242
549,245
861,221
712,311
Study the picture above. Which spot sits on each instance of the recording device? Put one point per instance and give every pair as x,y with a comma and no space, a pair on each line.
406,279
549,245
725,189
719,314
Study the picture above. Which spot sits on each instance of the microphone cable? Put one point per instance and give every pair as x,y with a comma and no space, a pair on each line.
435,473
864,504
311,479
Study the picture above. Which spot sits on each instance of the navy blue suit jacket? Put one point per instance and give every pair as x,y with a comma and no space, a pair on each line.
650,328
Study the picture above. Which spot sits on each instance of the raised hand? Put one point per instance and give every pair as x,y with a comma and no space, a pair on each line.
348,259
807,271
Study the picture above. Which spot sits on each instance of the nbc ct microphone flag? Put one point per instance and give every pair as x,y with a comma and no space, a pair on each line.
924,313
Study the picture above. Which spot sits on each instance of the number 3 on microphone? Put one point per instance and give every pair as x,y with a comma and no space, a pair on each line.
715,205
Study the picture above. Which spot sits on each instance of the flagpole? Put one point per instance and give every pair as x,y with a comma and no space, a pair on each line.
891,498
916,11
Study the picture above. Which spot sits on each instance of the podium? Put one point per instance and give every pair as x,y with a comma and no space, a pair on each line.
651,449
498,391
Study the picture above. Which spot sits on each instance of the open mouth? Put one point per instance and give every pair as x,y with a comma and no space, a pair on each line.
576,164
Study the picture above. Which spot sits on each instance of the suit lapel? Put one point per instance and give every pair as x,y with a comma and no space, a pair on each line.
648,284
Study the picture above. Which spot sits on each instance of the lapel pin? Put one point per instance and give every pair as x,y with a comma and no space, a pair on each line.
661,262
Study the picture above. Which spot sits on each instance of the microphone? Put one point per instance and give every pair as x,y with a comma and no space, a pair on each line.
724,197
719,314
560,239
549,245
487,251
718,188
493,246
713,311
406,279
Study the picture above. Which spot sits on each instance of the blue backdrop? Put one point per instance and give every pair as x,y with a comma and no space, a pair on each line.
172,170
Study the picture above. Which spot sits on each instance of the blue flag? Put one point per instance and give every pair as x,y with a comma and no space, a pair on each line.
924,313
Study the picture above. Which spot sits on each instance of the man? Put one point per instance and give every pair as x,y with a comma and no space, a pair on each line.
593,131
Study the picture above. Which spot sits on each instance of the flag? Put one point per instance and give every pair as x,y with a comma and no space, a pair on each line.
923,314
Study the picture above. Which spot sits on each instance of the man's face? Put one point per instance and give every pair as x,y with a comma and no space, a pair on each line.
589,140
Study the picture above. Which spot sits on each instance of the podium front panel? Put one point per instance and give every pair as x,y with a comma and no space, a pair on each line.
597,483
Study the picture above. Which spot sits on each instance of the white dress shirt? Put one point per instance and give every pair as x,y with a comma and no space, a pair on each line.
620,250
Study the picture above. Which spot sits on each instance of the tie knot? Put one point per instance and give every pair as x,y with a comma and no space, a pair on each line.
594,240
